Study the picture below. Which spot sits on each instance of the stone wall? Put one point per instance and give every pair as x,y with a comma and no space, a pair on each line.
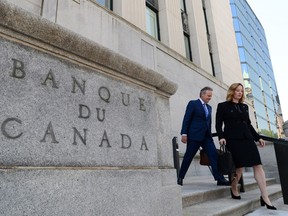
84,130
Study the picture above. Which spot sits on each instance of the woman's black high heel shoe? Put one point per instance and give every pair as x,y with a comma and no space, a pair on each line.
263,203
233,196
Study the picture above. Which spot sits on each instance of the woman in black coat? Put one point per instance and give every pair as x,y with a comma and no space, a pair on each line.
240,136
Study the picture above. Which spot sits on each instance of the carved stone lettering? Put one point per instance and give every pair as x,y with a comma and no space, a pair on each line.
83,139
18,69
126,102
142,106
126,141
105,139
144,144
11,128
86,110
50,76
82,88
100,118
104,94
50,132
3,128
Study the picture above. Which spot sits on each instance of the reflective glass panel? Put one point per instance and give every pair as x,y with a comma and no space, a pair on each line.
187,47
105,3
151,23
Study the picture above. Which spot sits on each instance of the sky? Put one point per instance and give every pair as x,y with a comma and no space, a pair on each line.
273,16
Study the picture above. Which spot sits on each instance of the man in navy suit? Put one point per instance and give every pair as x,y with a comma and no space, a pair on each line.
196,132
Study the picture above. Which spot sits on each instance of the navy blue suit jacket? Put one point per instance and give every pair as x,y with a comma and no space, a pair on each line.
195,124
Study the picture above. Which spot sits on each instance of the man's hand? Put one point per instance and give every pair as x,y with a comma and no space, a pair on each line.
184,139
222,141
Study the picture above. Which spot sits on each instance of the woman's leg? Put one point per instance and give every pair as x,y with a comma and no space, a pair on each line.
260,178
235,181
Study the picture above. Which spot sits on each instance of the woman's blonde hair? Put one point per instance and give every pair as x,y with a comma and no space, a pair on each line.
231,91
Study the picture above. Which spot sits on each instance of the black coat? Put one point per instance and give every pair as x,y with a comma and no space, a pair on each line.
237,124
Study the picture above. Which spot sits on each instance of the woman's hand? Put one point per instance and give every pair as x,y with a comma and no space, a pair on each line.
222,141
261,142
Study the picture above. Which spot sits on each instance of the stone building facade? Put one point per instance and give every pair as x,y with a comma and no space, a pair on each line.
92,101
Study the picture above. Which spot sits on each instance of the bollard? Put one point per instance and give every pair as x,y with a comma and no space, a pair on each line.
281,151
176,154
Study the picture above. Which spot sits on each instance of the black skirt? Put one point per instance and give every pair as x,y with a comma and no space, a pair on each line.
244,152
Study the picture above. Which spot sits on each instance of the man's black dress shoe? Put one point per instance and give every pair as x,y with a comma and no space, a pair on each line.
223,182
180,181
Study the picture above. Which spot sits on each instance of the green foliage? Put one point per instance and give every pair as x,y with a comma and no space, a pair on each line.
268,133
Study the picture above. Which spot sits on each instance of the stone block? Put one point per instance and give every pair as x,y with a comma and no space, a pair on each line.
61,192
57,113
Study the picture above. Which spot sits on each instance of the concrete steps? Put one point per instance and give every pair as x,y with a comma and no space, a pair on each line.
201,197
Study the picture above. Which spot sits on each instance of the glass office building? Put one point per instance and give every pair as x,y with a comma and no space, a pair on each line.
259,81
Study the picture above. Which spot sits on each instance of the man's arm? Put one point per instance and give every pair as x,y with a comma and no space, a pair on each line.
187,121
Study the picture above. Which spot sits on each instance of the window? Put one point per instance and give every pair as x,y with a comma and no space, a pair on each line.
185,30
182,5
239,39
234,10
242,55
153,3
187,47
208,38
152,19
105,3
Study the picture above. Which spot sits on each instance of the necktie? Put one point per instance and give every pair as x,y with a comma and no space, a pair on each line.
206,109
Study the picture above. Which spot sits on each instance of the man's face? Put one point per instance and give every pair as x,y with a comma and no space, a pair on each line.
206,97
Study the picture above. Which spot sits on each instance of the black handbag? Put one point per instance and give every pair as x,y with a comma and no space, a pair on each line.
226,165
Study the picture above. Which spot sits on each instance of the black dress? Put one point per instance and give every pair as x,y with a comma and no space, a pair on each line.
239,133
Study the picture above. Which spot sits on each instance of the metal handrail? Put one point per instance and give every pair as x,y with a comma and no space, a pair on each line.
266,138
274,140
